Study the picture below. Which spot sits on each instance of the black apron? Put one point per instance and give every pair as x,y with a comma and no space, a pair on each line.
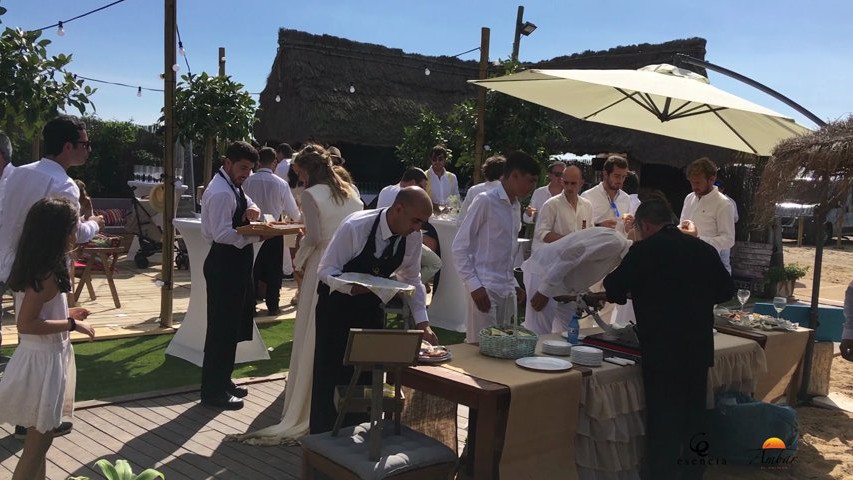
335,315
230,303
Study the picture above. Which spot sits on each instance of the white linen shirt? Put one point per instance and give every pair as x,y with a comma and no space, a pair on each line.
283,168
25,186
271,194
714,218
574,263
388,195
440,188
7,170
485,244
349,240
600,200
559,216
472,193
218,204
539,197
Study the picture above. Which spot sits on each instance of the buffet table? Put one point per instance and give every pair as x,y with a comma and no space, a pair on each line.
188,342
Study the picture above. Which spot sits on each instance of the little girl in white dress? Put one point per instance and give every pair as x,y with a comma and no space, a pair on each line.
38,384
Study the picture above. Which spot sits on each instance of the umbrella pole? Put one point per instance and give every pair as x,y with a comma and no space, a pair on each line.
820,218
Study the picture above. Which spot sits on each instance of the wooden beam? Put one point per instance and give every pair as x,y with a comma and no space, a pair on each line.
167,291
481,106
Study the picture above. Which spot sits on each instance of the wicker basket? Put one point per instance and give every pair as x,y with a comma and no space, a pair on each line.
508,346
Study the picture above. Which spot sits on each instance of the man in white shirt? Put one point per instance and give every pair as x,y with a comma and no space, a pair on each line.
559,216
609,202
493,169
707,209
382,243
725,255
553,188
568,267
484,246
6,166
413,176
283,153
441,184
273,197
228,275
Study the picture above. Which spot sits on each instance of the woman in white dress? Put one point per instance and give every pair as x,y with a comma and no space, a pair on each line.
326,201
39,381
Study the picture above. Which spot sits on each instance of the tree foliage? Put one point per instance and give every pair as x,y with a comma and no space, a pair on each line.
213,106
34,87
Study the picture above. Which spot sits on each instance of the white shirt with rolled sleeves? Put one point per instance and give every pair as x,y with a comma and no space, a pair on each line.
218,204
387,196
440,188
25,186
472,193
559,216
349,240
283,168
601,208
484,247
714,218
271,194
539,197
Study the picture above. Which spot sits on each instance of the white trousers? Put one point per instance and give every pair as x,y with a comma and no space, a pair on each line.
500,311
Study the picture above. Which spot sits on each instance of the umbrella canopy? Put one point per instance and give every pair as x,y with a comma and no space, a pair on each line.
659,99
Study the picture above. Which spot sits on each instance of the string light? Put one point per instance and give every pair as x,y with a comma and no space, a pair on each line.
426,71
181,49
176,67
139,92
60,31
278,99
351,88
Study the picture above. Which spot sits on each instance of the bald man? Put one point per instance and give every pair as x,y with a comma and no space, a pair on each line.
384,243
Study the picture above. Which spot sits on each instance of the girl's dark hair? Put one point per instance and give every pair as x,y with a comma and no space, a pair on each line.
43,246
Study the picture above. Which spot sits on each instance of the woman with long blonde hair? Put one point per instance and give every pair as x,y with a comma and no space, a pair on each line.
326,201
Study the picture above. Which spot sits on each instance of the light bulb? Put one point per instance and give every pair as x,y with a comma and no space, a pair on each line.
161,76
60,31
176,67
181,49
426,71
487,148
351,88
139,91
277,98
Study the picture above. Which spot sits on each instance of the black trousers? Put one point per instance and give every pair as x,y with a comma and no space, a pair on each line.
675,422
336,313
268,270
230,306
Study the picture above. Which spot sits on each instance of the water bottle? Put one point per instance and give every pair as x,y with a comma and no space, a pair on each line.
574,330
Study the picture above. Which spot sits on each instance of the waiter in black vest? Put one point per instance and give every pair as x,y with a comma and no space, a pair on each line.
384,242
228,275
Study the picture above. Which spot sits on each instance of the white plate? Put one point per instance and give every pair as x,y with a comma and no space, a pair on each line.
440,359
544,364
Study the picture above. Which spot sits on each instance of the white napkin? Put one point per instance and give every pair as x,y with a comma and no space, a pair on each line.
619,361
384,288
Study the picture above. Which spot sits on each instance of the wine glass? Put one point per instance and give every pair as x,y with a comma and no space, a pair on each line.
779,303
742,297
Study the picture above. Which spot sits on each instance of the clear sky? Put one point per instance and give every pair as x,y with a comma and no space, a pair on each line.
802,49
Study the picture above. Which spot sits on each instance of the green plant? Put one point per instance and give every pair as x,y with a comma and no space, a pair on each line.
212,106
789,272
122,471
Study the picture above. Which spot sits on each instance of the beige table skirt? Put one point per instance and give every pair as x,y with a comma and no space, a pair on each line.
543,414
784,351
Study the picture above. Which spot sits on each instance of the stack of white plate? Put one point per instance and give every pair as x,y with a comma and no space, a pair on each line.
556,347
588,356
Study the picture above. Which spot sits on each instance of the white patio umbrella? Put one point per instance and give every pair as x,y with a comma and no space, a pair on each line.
660,99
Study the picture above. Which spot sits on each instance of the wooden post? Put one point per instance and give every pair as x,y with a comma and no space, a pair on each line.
207,169
221,61
36,153
481,106
168,164
801,224
517,39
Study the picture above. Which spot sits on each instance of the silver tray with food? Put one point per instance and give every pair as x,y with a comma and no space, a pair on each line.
429,353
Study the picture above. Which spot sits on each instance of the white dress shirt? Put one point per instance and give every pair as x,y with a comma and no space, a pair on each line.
25,186
601,208
218,204
575,262
714,219
387,196
486,241
472,193
271,194
725,255
7,170
440,188
539,197
283,168
559,216
349,241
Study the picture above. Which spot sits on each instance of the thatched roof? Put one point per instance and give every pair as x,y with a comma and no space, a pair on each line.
825,156
312,75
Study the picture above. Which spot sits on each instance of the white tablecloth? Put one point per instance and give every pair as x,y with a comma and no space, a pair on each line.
449,306
188,342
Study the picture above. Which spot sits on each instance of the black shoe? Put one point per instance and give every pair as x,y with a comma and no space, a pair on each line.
274,312
20,432
237,391
64,428
287,276
224,402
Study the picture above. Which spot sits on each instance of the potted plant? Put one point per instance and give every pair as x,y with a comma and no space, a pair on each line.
784,278
122,471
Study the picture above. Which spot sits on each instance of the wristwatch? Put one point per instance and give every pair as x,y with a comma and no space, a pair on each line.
72,324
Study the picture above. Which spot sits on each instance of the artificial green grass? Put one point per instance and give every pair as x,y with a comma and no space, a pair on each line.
110,368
